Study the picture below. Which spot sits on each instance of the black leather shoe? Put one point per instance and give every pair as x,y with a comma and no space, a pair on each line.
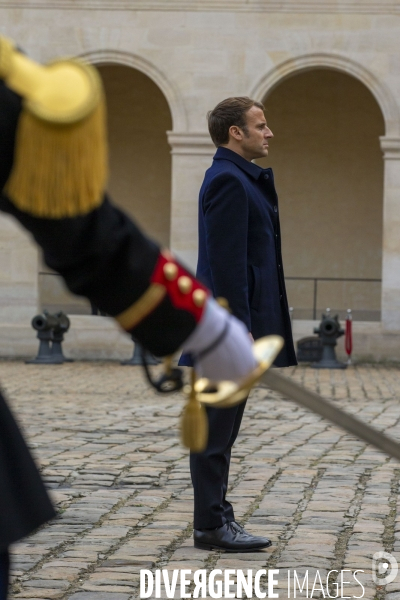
231,537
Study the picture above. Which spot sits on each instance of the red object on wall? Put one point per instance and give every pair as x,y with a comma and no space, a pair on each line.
348,341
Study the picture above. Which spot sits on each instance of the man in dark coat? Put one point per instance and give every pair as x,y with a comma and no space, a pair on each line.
98,250
239,259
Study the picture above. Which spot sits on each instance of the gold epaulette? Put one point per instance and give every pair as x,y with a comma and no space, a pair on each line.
60,159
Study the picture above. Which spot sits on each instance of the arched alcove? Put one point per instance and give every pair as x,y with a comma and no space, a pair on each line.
139,117
140,160
321,60
329,175
159,78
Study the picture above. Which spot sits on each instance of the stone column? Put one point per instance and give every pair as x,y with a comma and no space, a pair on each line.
391,235
191,156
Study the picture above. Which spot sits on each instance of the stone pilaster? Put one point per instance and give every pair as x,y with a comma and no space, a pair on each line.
391,235
191,155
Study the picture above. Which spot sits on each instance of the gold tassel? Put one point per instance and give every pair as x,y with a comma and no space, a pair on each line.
60,170
194,423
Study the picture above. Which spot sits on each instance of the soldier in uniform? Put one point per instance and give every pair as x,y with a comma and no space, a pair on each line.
53,172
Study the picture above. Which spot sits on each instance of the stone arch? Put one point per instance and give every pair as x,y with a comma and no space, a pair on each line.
172,95
328,122
293,66
134,165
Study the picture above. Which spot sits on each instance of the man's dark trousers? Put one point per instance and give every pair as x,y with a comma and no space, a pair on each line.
210,468
4,574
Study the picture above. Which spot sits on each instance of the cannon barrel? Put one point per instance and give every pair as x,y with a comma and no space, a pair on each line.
44,322
330,327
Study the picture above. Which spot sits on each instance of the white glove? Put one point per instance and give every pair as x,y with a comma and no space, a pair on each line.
220,346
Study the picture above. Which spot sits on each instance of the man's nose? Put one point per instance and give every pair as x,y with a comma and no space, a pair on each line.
268,133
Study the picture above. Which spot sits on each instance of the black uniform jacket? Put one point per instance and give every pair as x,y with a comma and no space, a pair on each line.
24,504
240,254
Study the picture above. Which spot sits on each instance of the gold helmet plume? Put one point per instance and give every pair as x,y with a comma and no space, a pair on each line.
60,159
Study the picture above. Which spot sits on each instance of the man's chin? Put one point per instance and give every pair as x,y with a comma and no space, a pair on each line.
261,154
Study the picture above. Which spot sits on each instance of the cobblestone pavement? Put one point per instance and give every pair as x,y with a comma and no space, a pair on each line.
110,453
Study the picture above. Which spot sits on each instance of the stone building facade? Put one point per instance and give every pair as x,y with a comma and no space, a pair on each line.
327,71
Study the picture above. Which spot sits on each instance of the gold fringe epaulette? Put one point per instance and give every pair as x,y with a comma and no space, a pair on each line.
60,159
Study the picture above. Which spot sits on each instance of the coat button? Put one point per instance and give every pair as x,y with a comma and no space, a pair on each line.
266,176
275,208
170,271
199,298
280,297
185,284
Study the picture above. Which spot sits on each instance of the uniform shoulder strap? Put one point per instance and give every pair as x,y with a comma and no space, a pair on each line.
60,159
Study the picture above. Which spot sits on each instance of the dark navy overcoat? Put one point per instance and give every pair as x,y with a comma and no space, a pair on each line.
240,254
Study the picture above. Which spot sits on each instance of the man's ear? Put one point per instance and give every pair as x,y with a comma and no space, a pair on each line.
236,133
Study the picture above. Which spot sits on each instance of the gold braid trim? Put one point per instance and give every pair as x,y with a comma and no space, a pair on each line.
6,52
59,170
140,309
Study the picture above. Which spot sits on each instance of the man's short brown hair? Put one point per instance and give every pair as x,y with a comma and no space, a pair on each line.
231,111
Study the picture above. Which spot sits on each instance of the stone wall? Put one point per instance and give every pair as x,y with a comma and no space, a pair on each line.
197,53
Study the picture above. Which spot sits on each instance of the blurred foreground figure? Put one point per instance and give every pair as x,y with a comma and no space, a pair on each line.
53,173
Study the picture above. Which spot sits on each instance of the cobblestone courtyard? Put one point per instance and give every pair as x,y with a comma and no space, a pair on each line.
110,453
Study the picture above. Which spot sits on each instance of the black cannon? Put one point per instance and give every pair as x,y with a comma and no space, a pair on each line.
329,331
50,332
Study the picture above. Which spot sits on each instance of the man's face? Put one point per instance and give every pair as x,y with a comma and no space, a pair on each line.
254,140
